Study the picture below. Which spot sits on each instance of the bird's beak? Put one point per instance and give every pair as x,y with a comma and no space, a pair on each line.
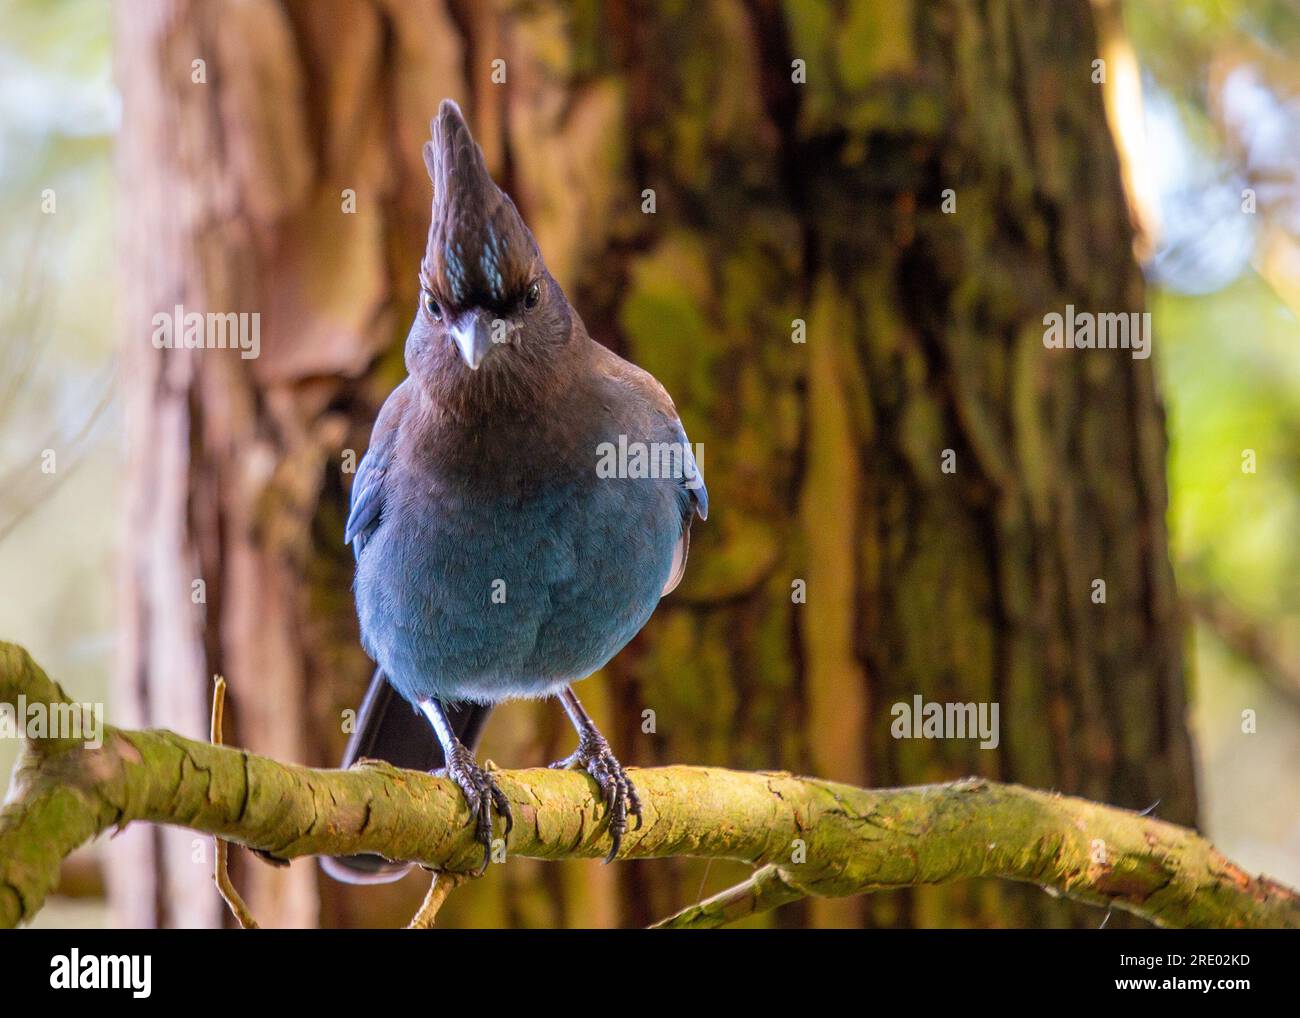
472,338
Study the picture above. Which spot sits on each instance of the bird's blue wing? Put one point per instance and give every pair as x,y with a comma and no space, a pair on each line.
693,482
367,501
694,501
651,412
368,487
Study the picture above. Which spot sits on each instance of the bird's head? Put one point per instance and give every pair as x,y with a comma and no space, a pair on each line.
489,310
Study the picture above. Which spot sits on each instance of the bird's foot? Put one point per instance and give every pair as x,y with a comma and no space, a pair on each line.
595,757
482,795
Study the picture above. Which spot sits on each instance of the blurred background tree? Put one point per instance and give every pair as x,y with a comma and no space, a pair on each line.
775,200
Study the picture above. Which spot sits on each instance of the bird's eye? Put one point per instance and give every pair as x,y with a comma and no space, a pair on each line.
432,308
533,296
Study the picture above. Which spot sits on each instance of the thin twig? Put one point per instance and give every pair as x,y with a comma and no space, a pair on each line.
442,885
766,889
222,875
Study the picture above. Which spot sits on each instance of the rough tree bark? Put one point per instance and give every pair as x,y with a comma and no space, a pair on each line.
774,201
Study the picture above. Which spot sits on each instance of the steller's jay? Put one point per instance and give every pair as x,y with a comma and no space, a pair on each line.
498,554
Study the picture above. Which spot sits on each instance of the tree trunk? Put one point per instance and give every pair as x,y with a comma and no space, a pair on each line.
784,210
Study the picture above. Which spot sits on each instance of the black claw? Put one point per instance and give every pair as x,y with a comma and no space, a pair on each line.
635,806
502,805
483,797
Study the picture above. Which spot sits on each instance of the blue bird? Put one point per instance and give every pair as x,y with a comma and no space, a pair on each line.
525,502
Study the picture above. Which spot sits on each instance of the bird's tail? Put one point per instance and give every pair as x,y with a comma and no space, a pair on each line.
389,728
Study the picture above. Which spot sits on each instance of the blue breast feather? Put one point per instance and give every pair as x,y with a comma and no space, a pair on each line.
464,594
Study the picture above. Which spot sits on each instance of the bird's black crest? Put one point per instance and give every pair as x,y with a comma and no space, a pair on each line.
479,252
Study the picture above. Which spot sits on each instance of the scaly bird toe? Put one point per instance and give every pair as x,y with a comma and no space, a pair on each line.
483,797
595,757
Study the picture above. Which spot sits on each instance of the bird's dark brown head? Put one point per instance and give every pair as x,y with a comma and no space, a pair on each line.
490,313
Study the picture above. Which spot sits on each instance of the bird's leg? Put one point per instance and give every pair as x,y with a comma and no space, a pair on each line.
480,791
595,757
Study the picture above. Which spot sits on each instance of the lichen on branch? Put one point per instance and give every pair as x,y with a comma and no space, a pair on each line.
805,836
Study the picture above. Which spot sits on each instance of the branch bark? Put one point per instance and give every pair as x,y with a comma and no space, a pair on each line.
811,837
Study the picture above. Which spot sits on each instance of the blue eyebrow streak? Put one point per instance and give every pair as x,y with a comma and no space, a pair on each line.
455,270
490,262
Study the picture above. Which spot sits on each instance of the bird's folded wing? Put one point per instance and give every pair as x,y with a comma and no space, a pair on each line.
664,425
695,501
368,488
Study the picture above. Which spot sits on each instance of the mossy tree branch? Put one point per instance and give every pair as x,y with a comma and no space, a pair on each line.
810,837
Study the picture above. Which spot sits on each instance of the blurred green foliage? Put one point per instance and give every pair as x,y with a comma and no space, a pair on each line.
1232,379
